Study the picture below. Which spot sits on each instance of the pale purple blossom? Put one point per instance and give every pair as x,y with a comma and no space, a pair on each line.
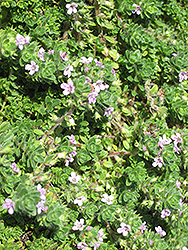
98,85
71,8
163,141
178,184
42,192
82,245
80,200
74,179
165,213
68,87
67,70
150,242
160,231
177,138
108,111
88,80
33,67
175,54
78,225
107,199
63,56
138,10
51,52
114,72
9,204
15,169
72,139
99,63
20,41
158,161
181,202
124,229
184,248
85,60
182,76
96,245
100,235
143,227
88,228
92,97
40,207
70,157
41,54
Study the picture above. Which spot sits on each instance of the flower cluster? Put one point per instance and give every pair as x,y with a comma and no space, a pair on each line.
40,205
63,56
20,41
79,200
108,111
143,227
177,139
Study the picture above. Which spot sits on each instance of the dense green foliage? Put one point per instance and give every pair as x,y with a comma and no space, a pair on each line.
104,119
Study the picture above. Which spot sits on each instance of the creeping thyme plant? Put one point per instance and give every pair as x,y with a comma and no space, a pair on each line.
93,124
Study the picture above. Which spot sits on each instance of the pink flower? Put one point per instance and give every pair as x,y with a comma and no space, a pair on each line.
9,204
82,245
88,80
51,52
70,157
178,184
160,231
33,67
88,228
107,199
96,245
158,161
174,54
150,242
80,200
99,86
144,148
138,10
86,69
163,141
15,169
74,179
85,60
72,139
78,225
165,212
92,97
99,63
42,192
63,56
41,54
100,235
124,229
71,8
182,76
20,41
143,227
108,111
40,207
67,71
68,87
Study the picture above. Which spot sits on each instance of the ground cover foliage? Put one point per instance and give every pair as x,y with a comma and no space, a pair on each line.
93,124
